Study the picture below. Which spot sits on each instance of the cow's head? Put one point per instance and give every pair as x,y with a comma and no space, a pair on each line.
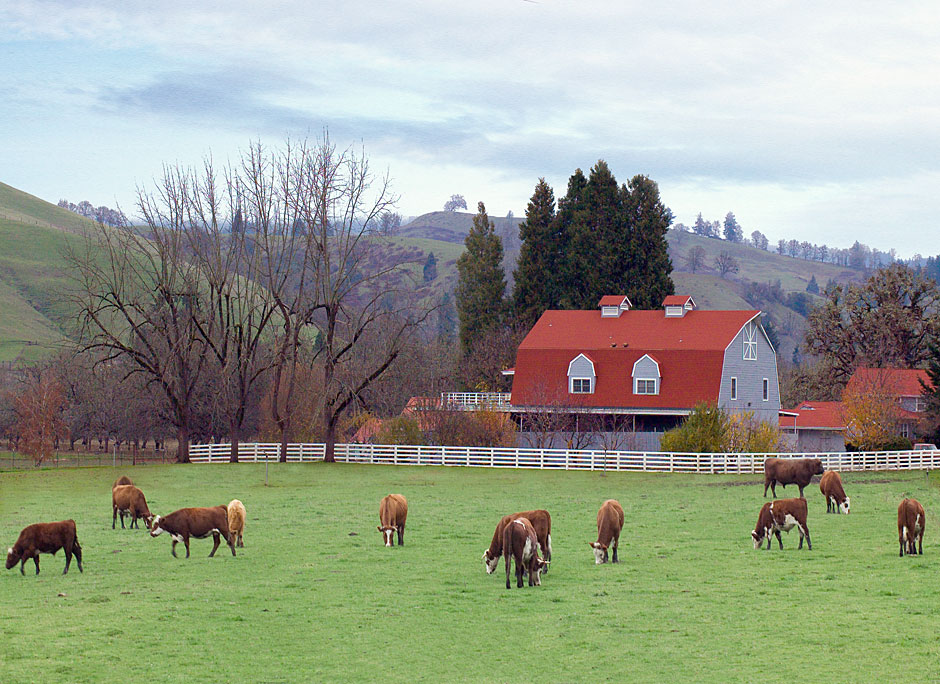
490,562
758,537
540,565
12,558
154,526
844,506
600,553
818,469
387,534
148,519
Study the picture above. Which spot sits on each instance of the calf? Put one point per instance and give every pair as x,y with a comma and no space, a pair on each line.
609,524
784,471
539,519
45,538
911,519
236,520
783,514
194,522
393,510
128,500
123,480
520,542
831,487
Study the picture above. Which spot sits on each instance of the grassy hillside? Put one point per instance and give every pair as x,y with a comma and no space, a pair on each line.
33,273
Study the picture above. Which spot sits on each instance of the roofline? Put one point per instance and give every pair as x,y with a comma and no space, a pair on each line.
606,410
744,325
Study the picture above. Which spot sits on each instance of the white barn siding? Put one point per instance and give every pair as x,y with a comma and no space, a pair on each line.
750,375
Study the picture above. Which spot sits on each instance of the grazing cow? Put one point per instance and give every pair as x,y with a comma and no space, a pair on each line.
194,522
123,480
783,514
784,471
831,487
236,520
609,524
520,542
393,510
911,519
539,519
45,538
128,500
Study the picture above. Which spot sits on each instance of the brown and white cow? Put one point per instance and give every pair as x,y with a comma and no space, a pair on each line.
782,514
194,522
609,524
784,471
539,519
393,511
45,538
911,519
520,543
831,487
129,500
123,480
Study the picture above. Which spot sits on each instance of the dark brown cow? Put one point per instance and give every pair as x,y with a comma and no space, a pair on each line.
784,471
45,538
393,511
782,514
520,542
129,500
194,522
911,519
123,480
539,519
609,524
831,487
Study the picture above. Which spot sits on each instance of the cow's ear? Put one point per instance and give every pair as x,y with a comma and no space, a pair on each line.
379,528
594,545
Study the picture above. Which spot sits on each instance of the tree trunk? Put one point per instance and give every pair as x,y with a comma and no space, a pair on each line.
330,442
282,454
233,431
182,451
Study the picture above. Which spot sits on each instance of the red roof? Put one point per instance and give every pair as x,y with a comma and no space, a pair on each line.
896,382
819,415
613,300
689,350
676,300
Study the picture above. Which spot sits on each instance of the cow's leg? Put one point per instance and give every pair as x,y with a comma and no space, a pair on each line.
920,544
773,488
901,550
113,516
508,560
801,491
766,484
230,539
77,550
779,540
215,544
616,544
122,519
68,559
173,549
186,542
401,535
23,564
36,561
241,543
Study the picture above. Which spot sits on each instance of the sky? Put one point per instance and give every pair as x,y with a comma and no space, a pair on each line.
813,121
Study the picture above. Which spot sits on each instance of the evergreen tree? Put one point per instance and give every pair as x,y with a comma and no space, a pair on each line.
812,287
701,226
567,206
541,258
481,282
430,268
650,279
733,232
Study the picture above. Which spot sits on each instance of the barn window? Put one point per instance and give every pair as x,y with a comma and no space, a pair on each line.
766,389
750,342
734,389
580,385
645,386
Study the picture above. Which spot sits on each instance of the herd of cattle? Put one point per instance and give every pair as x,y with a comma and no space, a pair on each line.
524,538
128,501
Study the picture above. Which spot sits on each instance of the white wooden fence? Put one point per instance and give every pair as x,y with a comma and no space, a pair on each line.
561,459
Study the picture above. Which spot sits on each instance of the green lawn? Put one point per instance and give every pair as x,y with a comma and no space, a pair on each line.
314,596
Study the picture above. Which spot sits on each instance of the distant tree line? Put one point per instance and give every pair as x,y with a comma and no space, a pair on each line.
104,215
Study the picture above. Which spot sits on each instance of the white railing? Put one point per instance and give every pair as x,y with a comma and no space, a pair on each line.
475,399
560,459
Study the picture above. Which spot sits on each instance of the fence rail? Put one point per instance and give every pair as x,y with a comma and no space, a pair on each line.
561,459
475,399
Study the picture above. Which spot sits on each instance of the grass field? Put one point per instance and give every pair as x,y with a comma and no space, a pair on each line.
315,597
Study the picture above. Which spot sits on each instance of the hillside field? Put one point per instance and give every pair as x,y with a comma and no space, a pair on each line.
314,596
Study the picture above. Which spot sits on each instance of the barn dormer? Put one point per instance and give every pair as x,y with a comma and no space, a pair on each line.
677,306
613,305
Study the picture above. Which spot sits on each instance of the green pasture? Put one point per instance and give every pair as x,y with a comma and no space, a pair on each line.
315,597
